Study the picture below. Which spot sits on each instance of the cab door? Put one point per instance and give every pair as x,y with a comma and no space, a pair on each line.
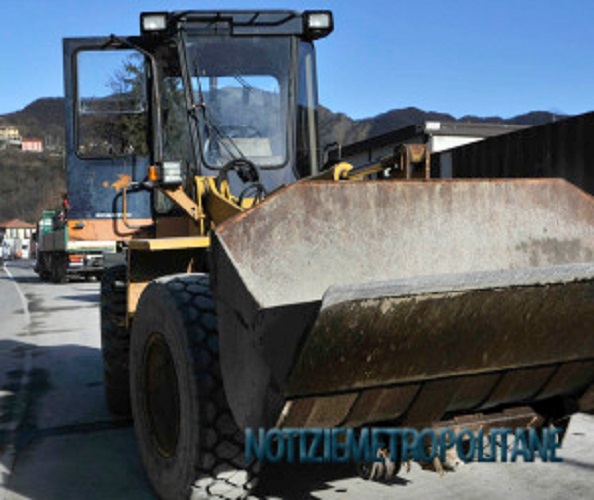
107,139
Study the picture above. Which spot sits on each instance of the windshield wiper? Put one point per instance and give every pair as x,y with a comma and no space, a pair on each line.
242,81
212,125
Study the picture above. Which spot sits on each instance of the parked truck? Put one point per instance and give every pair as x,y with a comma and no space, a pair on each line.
58,256
258,290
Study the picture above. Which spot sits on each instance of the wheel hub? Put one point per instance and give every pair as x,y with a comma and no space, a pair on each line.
161,396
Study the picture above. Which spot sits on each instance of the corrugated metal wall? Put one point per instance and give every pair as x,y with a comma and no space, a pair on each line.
561,149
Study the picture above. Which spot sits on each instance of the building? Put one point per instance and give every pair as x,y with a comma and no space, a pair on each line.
9,133
16,236
10,137
559,149
33,145
437,136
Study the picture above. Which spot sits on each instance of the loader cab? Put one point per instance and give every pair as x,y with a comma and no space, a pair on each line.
243,85
192,92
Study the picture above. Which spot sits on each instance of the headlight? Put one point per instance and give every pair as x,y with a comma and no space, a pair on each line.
171,172
153,22
317,23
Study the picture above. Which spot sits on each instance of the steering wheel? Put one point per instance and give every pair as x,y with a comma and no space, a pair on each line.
248,173
245,169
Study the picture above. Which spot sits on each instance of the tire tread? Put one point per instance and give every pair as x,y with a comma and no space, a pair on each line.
115,341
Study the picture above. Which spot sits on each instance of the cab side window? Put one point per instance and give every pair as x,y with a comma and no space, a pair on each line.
112,115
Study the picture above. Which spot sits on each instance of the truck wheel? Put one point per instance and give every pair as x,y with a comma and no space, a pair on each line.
115,340
41,267
59,265
188,439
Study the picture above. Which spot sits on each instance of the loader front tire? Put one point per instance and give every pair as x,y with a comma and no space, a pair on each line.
115,340
187,437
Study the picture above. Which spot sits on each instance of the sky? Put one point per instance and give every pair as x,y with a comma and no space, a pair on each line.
463,57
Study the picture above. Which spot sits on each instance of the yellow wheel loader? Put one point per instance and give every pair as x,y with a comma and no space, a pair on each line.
265,292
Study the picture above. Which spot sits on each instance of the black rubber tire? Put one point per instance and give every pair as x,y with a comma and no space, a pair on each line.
59,267
205,457
115,340
41,267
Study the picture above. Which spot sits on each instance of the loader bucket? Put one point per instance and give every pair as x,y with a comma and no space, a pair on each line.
345,303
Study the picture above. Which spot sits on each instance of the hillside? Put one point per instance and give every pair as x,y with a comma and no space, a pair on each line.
43,119
30,182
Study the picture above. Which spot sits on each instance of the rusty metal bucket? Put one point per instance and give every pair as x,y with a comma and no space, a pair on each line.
358,302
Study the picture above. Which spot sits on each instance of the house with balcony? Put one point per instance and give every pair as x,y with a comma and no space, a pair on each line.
16,237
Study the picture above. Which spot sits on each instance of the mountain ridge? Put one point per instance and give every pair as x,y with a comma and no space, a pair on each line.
339,127
45,118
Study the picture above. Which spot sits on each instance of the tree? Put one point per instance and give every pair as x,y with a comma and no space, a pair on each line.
117,124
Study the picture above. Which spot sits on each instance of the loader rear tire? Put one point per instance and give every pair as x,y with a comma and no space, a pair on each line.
115,340
186,434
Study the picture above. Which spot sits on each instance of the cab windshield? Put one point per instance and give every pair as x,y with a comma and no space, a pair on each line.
241,91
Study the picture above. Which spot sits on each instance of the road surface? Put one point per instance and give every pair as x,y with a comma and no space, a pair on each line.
58,441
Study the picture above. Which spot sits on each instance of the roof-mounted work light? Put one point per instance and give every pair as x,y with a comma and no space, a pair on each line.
153,22
317,23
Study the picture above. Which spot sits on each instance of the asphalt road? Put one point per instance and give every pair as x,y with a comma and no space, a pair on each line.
58,441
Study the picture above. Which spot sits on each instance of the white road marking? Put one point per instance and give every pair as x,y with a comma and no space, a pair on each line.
8,456
21,295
